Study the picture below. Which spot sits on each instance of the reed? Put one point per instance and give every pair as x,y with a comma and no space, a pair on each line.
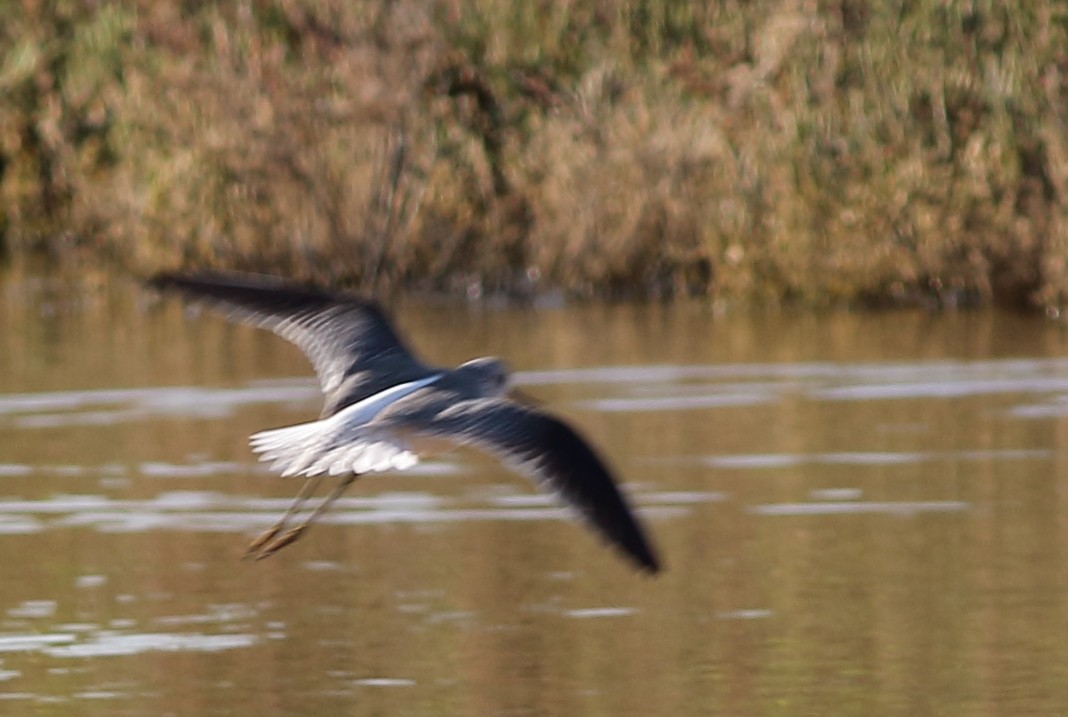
771,152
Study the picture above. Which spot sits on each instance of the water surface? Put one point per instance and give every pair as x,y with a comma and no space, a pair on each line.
860,514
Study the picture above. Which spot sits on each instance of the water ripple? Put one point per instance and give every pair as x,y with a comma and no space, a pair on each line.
675,403
384,682
210,511
651,388
875,458
906,508
87,407
588,612
107,643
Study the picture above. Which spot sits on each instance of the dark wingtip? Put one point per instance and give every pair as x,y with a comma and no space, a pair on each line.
649,563
163,281
636,547
585,481
241,288
167,280
173,281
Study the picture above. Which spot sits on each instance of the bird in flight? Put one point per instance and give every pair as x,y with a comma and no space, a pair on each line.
379,398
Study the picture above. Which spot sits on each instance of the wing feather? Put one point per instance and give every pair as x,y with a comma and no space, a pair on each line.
348,339
554,455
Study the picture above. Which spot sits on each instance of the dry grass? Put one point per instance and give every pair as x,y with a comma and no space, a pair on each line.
754,152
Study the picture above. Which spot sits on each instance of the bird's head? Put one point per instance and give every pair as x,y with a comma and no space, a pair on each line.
489,373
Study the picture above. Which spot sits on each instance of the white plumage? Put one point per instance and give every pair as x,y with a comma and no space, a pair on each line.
340,443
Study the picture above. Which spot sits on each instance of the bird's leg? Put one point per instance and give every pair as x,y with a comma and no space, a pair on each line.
291,535
265,537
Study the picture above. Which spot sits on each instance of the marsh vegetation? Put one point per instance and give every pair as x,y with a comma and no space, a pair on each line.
786,151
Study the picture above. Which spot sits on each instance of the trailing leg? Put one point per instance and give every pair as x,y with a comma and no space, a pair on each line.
265,537
291,536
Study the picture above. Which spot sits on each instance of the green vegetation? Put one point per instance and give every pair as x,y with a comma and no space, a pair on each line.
803,151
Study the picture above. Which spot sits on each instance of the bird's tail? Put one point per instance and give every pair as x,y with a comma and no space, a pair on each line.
324,446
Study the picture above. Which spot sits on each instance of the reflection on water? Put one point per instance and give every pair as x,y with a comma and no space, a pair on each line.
873,458
859,515
899,507
218,512
109,643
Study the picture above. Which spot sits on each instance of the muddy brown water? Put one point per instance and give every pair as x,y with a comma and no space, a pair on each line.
859,515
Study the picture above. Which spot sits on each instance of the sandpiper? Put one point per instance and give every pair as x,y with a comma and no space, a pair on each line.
379,398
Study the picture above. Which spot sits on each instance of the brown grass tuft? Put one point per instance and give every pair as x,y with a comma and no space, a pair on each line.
768,152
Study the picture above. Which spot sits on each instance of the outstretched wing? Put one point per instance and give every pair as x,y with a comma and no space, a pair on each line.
349,341
548,450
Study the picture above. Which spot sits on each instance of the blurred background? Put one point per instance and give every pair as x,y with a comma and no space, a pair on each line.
831,152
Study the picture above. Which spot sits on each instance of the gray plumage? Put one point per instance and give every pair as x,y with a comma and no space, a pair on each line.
378,396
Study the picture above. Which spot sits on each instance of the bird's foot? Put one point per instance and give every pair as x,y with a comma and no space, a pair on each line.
255,547
269,543
266,550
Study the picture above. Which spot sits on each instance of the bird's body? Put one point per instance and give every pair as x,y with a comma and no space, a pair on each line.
380,400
